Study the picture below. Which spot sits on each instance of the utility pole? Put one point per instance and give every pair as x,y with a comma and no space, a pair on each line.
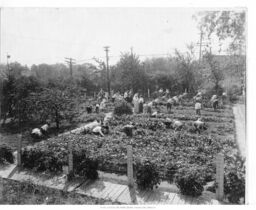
201,44
70,62
107,58
8,67
0,33
200,48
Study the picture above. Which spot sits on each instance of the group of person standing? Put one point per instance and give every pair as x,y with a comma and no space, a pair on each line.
139,104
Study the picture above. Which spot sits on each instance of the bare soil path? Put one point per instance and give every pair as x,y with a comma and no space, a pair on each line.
239,112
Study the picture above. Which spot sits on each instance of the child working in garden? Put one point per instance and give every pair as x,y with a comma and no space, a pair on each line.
198,107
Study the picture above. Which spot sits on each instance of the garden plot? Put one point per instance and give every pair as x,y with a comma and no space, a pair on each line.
169,150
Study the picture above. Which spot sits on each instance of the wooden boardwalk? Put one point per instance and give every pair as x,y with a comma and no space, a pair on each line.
107,189
126,195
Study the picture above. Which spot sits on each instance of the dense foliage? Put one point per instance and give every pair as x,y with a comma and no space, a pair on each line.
179,150
147,175
226,25
234,179
122,108
6,155
190,181
42,160
85,166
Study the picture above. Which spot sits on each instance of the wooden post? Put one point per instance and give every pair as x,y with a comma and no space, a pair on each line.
130,166
19,151
70,158
220,176
148,93
1,187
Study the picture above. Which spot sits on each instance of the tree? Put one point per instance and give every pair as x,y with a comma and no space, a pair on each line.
226,25
216,74
186,71
132,74
55,104
16,87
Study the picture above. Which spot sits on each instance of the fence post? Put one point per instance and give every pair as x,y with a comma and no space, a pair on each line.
148,93
1,187
220,176
70,158
130,166
19,151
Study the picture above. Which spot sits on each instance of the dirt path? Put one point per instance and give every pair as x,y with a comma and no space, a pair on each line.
239,112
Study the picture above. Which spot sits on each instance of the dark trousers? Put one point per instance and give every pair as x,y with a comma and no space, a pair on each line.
215,105
169,107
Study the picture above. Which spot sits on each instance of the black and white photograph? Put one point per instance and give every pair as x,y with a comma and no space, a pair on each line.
123,106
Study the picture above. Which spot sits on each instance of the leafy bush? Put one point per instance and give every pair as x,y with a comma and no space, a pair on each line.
85,166
190,181
41,160
122,108
154,125
234,187
6,154
147,175
233,93
234,180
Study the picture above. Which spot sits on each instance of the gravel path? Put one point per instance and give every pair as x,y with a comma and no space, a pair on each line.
239,112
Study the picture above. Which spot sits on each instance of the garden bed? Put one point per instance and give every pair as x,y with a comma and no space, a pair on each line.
151,141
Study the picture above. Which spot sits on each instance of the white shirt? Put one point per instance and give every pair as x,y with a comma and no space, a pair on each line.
177,123
92,125
214,97
170,101
175,98
154,114
97,129
198,106
37,131
45,127
198,122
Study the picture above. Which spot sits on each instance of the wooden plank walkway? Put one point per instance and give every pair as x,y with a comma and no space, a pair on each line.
108,190
127,195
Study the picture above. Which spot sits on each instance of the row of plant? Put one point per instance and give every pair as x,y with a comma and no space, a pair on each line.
181,157
189,176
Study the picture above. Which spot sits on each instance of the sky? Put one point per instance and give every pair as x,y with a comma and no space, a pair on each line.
48,35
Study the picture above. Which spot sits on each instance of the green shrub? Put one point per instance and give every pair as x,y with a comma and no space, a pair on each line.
234,180
122,108
85,166
233,93
190,181
6,155
41,160
147,175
